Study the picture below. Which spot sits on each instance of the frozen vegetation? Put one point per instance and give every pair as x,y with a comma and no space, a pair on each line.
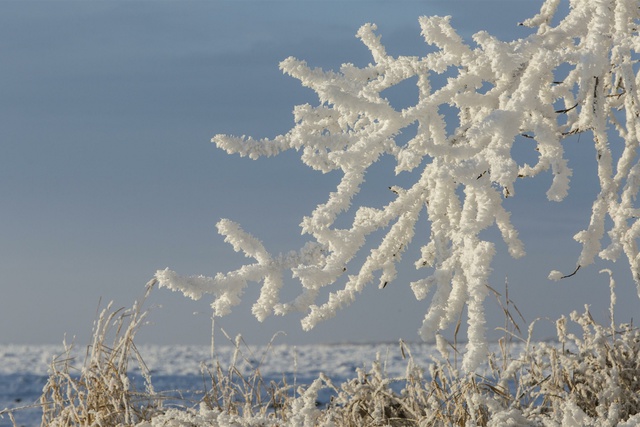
574,77
589,377
575,74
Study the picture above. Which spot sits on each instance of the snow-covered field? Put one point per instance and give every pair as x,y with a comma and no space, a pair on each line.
23,368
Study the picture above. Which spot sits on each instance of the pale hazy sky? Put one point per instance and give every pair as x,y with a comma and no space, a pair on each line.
107,173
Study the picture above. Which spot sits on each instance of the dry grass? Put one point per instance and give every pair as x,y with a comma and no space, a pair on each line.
100,394
588,378
245,395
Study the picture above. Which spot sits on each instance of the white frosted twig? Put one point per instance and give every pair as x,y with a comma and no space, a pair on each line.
569,77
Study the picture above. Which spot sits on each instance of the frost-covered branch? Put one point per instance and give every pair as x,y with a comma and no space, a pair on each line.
576,76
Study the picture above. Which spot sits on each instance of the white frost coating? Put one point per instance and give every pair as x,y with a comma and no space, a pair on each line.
567,78
555,275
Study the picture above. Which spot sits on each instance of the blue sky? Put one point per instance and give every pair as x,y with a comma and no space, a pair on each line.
107,173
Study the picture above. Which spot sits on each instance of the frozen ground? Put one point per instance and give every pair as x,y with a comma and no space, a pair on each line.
23,369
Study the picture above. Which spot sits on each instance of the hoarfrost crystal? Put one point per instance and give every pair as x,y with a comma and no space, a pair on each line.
505,93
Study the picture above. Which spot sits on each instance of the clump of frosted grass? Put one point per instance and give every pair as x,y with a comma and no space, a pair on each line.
588,377
100,392
244,395
587,380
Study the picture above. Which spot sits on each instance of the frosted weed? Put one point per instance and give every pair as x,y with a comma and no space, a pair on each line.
584,379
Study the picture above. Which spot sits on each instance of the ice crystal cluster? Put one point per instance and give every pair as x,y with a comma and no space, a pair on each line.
573,74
